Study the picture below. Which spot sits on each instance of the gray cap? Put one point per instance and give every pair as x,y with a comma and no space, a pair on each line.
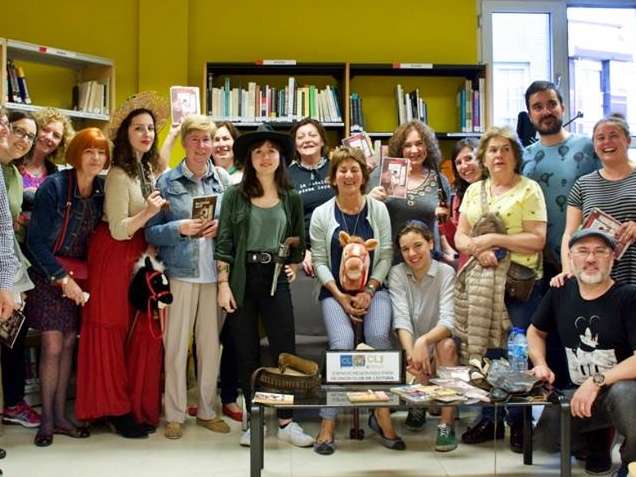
584,233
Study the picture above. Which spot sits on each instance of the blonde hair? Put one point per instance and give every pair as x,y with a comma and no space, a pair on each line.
196,122
50,115
503,132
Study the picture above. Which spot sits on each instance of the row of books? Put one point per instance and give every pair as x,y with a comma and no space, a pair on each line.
471,106
410,105
265,102
91,97
355,106
17,90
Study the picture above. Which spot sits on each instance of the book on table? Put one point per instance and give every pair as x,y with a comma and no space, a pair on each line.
603,221
184,101
273,398
424,393
367,396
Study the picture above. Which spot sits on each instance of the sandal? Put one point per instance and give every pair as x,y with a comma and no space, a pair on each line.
80,432
43,439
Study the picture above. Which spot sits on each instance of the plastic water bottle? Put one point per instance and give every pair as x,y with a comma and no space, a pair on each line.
518,350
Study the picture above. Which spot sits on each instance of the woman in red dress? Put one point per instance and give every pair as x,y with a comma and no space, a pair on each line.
112,365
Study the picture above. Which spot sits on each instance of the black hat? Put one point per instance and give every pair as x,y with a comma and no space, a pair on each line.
602,234
264,132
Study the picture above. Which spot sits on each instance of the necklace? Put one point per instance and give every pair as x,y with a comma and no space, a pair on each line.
344,219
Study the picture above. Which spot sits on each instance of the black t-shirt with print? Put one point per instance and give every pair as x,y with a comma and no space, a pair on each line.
597,334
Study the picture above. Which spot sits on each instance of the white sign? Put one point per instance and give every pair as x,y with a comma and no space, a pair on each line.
361,367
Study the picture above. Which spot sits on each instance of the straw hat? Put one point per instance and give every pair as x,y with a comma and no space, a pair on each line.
150,100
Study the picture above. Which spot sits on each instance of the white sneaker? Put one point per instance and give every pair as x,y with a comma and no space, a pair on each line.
246,436
295,435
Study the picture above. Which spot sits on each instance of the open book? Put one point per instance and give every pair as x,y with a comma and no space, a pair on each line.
603,221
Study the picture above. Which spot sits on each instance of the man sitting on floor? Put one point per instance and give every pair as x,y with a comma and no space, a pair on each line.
596,321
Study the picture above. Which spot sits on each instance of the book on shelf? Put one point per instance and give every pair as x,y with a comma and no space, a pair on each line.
184,101
355,106
13,87
92,97
603,221
265,102
22,85
471,107
410,105
394,175
273,398
367,396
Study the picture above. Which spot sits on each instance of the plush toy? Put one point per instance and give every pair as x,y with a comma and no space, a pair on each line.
149,290
354,266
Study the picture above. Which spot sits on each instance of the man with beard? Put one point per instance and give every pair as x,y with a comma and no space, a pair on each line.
595,318
555,161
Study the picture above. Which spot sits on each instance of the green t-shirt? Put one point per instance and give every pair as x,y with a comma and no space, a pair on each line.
266,229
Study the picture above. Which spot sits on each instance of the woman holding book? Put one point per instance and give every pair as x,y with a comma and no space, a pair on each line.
351,211
612,190
111,366
54,134
22,132
308,172
186,246
258,215
520,204
67,208
416,142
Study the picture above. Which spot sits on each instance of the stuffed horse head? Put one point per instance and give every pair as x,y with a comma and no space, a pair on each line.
354,266
149,289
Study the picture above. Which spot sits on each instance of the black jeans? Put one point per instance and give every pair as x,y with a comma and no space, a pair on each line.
229,370
277,316
13,370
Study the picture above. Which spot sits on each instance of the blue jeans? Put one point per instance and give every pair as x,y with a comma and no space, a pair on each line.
520,313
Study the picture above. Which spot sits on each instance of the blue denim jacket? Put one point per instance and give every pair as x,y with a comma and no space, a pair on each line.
180,254
48,217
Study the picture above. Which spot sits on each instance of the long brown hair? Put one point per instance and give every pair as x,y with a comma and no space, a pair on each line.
250,186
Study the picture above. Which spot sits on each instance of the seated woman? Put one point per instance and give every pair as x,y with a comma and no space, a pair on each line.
187,248
612,190
351,211
422,297
258,214
59,230
520,204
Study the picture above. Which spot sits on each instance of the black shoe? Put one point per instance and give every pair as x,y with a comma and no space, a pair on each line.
3,453
394,444
415,419
598,464
148,428
483,431
126,426
516,438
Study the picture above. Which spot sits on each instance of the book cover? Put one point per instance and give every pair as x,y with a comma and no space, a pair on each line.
184,101
603,221
203,207
22,84
10,328
360,141
367,396
394,175
273,398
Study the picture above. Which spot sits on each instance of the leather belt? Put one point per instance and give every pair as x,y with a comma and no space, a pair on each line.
260,257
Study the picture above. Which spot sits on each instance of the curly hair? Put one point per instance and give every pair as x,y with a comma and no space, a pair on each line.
506,133
341,154
433,152
123,155
47,116
460,184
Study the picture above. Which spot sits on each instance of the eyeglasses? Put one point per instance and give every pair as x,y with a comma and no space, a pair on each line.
597,252
22,134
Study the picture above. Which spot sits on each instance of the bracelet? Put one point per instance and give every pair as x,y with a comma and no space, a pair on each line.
222,281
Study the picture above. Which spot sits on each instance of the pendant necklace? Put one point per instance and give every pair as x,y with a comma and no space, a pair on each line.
344,220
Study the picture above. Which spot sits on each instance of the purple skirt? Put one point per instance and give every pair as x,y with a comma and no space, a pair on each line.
46,309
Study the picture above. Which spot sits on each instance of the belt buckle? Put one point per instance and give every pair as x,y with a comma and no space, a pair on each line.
266,258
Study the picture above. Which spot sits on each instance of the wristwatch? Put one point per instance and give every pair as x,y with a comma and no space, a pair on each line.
370,289
598,379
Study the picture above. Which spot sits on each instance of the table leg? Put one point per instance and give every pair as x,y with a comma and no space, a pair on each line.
527,435
566,461
256,440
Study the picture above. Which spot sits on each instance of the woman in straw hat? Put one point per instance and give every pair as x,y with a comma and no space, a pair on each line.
111,365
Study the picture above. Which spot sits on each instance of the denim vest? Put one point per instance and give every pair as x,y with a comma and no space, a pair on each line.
48,217
179,253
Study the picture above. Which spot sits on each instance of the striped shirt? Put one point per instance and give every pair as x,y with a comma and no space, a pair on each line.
616,198
8,261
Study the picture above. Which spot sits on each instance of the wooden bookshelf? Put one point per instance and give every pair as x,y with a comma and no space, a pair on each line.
83,67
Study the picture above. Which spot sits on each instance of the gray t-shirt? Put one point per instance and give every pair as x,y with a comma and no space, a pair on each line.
266,229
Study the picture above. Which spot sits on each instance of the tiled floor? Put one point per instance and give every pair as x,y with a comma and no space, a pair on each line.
203,453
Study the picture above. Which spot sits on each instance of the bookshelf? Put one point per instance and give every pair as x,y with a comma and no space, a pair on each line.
273,80
59,70
438,85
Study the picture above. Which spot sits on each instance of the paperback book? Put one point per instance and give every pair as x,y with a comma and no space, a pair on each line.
360,141
10,328
273,398
203,208
368,396
394,175
605,222
184,101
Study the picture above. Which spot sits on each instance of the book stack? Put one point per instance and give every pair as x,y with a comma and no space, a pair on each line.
357,118
17,91
91,97
269,103
410,105
471,107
